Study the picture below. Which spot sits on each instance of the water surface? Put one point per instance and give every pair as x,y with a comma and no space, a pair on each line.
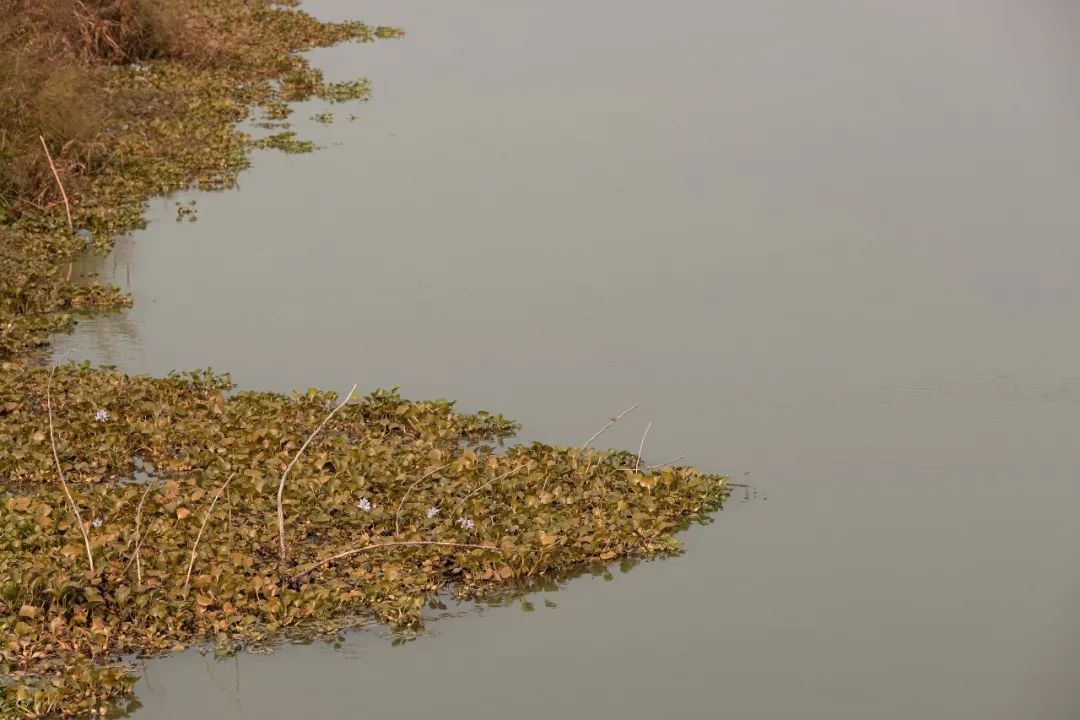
833,245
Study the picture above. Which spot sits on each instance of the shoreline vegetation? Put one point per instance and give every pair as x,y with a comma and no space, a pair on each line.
106,103
143,515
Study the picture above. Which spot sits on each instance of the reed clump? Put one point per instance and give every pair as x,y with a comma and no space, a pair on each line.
105,103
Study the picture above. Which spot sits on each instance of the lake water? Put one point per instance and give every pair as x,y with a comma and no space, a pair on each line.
834,245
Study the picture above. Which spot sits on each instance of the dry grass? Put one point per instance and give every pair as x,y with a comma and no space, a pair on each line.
52,56
49,55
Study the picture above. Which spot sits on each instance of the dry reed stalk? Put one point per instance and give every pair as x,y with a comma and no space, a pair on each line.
60,470
206,518
614,420
396,543
397,515
281,484
500,477
642,446
669,462
63,193
138,534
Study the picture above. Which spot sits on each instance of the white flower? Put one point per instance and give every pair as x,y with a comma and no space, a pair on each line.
466,523
432,512
97,522
101,415
364,504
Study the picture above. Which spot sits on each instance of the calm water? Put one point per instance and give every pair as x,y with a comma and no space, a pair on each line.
834,245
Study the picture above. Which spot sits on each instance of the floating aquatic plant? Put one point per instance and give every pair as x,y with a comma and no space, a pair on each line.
209,512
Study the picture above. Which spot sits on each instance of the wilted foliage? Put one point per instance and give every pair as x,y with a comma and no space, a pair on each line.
425,495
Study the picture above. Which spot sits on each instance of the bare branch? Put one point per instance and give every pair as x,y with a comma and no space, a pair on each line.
206,518
281,484
397,515
59,469
63,193
356,551
614,420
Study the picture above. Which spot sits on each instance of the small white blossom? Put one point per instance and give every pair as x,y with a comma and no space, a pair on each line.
97,522
466,523
101,415
364,504
432,512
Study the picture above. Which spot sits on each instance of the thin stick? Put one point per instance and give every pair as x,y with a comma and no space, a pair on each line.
60,470
206,518
669,462
614,420
642,446
505,474
397,543
63,193
397,515
281,484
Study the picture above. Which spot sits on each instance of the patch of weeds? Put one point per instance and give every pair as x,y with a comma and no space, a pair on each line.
345,91
286,142
187,210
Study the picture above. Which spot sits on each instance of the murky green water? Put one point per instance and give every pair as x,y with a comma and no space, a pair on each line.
833,245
